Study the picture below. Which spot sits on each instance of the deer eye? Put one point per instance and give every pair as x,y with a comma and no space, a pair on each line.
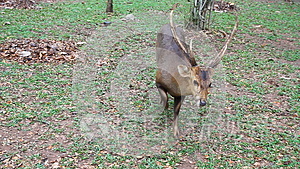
196,83
210,85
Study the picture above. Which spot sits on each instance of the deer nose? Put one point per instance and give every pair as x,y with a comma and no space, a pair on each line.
202,103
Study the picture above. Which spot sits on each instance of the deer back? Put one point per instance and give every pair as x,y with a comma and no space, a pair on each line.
166,46
169,55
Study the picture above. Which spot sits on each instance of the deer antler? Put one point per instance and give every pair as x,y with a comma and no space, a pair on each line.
173,30
217,60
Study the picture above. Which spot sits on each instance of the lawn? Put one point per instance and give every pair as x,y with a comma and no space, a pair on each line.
93,102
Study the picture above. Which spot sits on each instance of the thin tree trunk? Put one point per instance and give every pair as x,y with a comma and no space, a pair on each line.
109,7
200,14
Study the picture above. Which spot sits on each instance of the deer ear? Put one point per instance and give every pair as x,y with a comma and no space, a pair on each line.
184,71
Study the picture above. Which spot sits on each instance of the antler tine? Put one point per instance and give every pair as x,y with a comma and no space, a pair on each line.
219,57
191,46
191,53
173,30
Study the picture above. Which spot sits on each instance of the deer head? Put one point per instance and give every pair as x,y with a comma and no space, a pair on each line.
199,76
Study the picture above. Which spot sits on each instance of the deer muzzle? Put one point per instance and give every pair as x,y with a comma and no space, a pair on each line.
202,103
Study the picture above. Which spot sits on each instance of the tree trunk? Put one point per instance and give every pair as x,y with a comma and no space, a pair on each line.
200,14
109,7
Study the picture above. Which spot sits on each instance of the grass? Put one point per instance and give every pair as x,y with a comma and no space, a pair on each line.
65,20
42,106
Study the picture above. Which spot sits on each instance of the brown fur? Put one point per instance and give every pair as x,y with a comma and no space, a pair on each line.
178,73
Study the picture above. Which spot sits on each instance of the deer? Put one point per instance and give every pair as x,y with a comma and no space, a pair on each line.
178,74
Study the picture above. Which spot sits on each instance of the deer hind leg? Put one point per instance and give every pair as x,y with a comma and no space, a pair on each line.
163,96
177,104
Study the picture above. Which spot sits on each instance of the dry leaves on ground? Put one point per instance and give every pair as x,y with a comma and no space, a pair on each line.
39,51
20,4
222,6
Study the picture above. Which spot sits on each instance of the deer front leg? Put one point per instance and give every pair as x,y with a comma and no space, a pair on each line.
177,104
163,96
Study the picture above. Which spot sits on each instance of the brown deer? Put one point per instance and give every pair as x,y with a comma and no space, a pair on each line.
178,73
